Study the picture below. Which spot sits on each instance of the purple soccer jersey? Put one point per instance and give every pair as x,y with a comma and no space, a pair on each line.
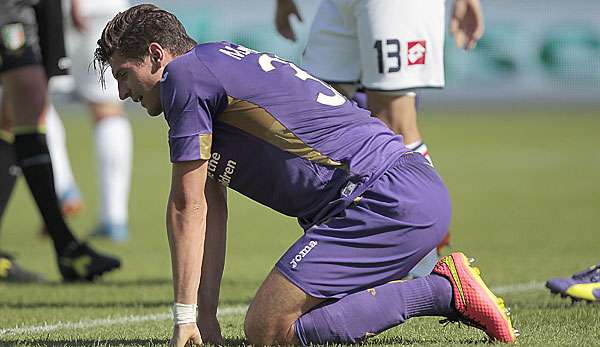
271,131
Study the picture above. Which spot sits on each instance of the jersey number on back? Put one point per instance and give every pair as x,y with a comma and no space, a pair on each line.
266,63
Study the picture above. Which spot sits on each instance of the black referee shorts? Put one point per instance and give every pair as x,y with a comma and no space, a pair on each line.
33,36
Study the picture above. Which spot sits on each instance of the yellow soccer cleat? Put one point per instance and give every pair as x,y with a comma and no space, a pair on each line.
584,285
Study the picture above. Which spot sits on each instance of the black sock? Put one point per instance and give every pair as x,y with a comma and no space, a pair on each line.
8,173
34,159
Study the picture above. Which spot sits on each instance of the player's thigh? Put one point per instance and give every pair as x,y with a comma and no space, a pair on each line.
274,310
401,43
331,52
25,90
23,77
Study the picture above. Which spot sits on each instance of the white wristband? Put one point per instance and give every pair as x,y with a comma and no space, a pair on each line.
184,313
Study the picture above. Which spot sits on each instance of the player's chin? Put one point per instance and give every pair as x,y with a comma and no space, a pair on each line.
153,111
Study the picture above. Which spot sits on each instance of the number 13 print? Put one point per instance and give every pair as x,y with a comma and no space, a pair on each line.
393,51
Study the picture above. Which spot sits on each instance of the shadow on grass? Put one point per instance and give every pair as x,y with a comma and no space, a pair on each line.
235,342
135,282
98,283
107,304
103,342
564,304
399,340
161,281
70,304
109,283
86,342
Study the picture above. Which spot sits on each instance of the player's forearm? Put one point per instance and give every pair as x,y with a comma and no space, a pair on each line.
186,225
214,249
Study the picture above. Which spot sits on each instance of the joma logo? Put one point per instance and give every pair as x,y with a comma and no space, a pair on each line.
303,253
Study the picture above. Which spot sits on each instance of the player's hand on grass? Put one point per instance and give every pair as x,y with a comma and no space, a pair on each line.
185,335
467,23
210,330
286,8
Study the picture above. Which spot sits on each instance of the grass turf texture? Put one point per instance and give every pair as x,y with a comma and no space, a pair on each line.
526,202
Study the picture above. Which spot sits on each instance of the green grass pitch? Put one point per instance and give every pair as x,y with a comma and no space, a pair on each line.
525,185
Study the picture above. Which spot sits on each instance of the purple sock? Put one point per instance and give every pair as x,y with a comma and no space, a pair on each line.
369,312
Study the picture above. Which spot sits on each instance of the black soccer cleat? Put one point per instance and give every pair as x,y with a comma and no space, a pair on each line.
12,272
80,263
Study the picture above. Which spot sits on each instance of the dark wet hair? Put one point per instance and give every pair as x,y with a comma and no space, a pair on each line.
130,33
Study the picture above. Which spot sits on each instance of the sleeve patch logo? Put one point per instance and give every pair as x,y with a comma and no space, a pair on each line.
13,36
417,51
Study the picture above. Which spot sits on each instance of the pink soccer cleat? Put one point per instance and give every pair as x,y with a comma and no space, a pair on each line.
474,303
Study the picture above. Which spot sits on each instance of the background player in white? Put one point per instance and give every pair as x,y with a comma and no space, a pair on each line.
112,133
390,48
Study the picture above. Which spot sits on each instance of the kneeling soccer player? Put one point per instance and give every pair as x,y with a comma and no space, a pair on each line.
369,207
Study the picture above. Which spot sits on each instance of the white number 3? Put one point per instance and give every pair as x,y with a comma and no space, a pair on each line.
337,99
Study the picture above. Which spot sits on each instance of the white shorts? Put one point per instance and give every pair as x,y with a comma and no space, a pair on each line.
80,48
388,45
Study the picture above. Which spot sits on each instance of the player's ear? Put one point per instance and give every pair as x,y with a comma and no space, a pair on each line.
157,54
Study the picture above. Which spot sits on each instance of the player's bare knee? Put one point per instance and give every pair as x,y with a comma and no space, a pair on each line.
263,331
270,338
251,325
105,110
256,332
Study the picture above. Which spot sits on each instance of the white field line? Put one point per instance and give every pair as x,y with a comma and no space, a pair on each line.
108,321
517,288
226,311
